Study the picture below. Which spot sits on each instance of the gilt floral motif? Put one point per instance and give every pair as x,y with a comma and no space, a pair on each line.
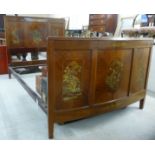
114,75
71,81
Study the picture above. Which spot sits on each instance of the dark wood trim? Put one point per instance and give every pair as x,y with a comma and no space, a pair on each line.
28,63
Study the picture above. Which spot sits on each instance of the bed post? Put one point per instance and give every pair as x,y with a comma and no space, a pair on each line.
141,105
50,126
9,72
51,85
142,101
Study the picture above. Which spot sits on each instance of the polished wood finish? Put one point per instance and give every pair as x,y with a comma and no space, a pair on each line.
103,22
29,34
92,76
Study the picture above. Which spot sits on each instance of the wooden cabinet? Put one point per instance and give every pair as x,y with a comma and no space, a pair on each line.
103,22
3,60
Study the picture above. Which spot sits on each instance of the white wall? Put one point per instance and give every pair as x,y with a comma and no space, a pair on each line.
76,20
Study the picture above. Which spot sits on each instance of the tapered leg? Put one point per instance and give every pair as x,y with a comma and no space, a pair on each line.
141,105
9,72
50,129
124,107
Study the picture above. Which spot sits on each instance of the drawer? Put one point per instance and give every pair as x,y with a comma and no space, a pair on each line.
97,28
97,22
97,16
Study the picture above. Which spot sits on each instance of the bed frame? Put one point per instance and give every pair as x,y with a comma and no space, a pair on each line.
87,77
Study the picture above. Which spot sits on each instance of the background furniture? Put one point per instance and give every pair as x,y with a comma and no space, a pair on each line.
2,31
2,25
142,26
103,22
3,60
87,77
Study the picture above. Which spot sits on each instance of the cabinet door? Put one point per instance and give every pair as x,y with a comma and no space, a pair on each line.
112,74
139,70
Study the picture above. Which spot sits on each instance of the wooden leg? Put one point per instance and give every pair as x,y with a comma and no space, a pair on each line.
141,105
124,107
50,126
50,130
61,123
9,72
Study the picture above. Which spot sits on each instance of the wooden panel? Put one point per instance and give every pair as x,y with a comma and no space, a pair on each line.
113,72
72,74
56,28
15,35
139,71
36,34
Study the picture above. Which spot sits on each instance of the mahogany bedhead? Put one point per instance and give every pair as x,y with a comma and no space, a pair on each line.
92,76
29,34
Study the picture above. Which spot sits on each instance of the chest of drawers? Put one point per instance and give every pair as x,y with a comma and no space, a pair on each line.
103,22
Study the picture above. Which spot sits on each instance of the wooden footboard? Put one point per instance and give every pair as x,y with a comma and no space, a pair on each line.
91,76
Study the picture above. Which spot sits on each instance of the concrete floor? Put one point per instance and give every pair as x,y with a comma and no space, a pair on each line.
21,118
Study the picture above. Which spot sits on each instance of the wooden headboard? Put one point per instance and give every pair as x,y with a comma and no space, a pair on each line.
29,34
